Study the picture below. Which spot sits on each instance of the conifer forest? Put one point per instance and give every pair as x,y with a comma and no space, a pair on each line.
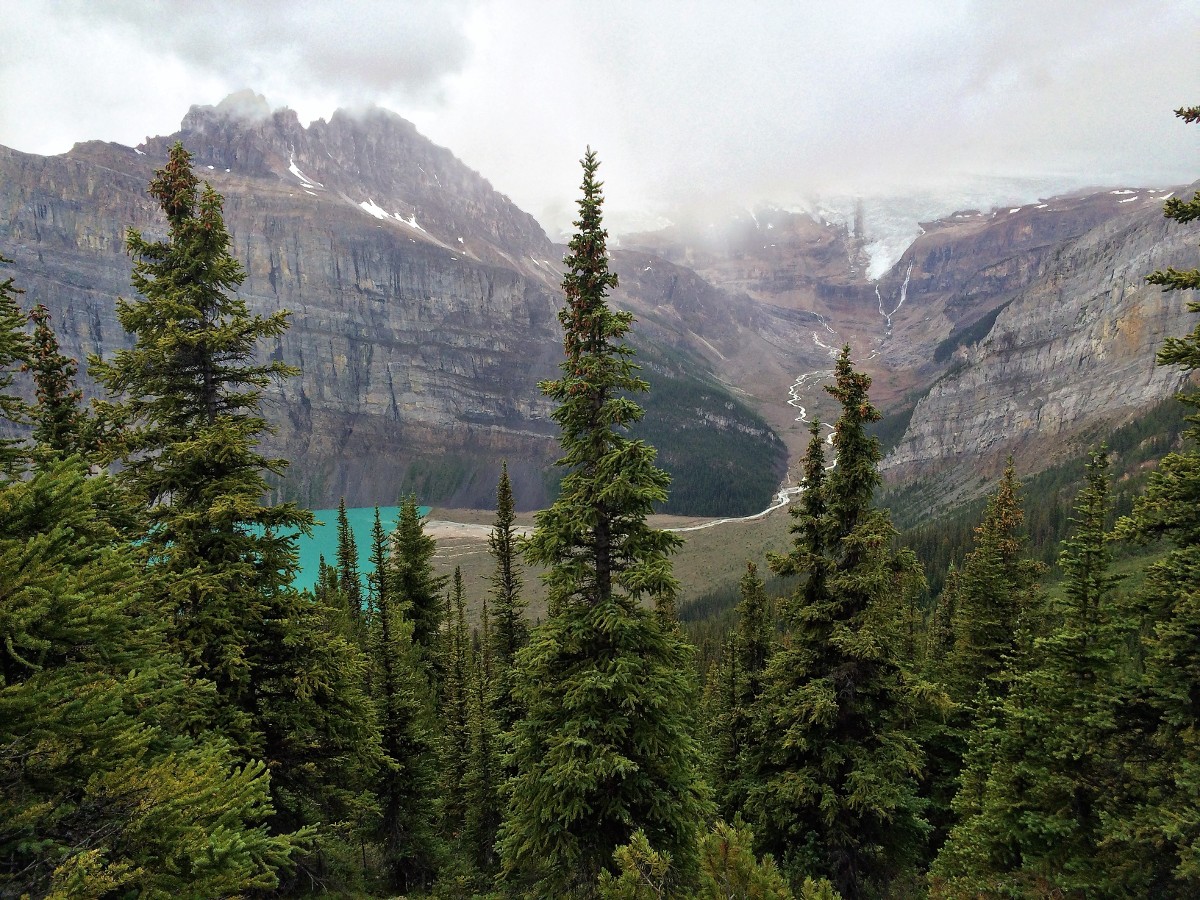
877,715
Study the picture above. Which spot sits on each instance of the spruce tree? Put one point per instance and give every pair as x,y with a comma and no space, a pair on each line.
1158,835
512,631
414,582
834,766
481,784
15,352
453,710
743,663
808,556
607,744
59,422
188,394
348,576
405,827
190,404
997,589
105,788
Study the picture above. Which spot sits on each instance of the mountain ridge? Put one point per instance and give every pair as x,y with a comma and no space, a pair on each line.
425,305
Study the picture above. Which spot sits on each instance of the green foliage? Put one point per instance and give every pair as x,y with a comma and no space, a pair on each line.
833,784
722,457
644,873
348,577
997,591
414,584
192,421
289,683
103,789
485,770
405,827
59,423
453,709
729,870
738,682
1158,835
1042,773
512,631
15,352
607,744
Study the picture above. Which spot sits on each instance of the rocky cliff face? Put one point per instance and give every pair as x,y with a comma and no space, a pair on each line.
1069,357
424,310
1024,329
423,302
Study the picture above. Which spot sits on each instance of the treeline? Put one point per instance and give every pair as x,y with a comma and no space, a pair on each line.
724,459
1048,497
176,718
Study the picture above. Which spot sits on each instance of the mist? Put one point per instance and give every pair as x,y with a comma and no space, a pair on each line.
692,106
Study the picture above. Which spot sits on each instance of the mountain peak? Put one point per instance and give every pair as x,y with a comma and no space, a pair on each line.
245,104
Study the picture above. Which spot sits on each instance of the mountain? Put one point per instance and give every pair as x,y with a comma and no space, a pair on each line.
424,303
1069,357
1025,329
425,312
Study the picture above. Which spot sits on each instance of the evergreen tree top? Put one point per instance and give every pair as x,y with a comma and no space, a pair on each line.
595,537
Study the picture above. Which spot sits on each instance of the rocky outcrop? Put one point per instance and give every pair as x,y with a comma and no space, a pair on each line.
1071,356
1026,329
424,303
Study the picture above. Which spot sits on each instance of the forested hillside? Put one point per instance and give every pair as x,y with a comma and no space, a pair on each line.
886,713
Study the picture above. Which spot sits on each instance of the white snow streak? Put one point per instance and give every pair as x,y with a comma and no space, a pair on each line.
305,181
370,207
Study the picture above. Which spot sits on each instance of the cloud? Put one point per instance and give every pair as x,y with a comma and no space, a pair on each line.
689,103
126,68
353,48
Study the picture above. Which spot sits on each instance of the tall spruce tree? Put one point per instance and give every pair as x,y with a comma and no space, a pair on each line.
406,826
511,632
1158,835
485,772
349,579
189,394
15,352
833,772
453,711
606,745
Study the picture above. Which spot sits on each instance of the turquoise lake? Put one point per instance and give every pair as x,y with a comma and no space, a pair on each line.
323,541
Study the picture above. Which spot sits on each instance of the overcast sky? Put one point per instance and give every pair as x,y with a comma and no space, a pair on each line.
686,101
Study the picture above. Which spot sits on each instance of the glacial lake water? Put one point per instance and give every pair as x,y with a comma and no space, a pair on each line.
323,541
